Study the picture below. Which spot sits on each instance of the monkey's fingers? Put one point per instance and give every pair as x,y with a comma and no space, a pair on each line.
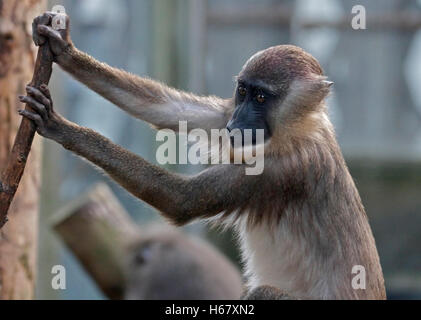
36,118
44,19
49,32
35,105
39,96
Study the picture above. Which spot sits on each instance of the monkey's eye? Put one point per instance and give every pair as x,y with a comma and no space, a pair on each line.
260,98
242,91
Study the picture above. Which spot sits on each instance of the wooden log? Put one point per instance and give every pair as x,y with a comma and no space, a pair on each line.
98,230
16,163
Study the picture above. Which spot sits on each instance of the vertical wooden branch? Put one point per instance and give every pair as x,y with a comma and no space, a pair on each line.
15,167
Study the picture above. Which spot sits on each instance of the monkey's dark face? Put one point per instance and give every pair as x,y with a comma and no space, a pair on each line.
253,101
263,84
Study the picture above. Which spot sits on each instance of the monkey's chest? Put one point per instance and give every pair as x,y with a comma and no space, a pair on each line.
279,258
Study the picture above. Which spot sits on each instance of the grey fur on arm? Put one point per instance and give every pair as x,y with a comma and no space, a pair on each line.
144,98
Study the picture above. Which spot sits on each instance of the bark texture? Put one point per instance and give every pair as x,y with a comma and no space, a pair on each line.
18,239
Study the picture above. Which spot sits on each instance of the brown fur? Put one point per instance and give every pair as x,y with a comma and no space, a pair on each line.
267,293
280,65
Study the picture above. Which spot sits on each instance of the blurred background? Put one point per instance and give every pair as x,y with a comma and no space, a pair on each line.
199,45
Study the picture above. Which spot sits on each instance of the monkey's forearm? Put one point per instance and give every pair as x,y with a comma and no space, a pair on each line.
147,182
144,98
180,199
116,85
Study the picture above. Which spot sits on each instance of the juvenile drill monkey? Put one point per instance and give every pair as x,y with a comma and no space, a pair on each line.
301,222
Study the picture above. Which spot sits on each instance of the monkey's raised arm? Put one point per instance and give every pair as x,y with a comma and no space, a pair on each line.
143,98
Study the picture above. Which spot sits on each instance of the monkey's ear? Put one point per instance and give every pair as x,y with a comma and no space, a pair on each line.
328,83
307,93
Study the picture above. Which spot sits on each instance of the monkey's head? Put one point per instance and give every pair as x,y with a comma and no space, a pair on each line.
276,90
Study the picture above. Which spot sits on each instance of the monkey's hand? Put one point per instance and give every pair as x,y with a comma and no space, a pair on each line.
59,40
49,124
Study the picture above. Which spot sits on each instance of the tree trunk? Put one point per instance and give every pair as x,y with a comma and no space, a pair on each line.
18,239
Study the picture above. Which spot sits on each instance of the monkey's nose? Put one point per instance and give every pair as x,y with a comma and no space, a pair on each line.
236,136
229,126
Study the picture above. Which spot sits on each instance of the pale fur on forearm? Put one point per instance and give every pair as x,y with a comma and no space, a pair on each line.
145,98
